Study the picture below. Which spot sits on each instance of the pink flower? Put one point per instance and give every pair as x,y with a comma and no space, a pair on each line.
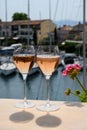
65,73
72,69
73,72
69,68
77,66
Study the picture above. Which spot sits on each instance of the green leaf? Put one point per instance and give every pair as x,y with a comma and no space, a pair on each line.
83,97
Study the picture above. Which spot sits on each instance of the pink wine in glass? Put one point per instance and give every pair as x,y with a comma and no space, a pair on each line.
24,63
48,64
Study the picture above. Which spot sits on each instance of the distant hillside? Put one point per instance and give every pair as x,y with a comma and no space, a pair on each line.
66,22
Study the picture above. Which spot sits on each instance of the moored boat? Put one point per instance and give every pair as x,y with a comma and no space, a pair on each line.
7,50
70,58
7,68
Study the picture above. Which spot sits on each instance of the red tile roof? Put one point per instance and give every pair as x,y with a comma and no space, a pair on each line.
24,22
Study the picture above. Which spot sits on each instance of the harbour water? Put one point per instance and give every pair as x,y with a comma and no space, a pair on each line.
12,86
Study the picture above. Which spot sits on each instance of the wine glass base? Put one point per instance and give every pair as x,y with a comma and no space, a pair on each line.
25,105
47,107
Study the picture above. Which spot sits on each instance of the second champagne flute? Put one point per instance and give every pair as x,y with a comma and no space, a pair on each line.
48,60
24,60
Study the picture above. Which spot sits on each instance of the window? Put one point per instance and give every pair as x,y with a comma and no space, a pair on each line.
14,27
3,33
24,26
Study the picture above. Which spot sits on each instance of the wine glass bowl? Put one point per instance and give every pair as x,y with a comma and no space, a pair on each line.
24,60
48,60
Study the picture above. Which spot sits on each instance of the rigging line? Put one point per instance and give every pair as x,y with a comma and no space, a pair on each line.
65,12
66,9
71,12
62,9
55,13
78,9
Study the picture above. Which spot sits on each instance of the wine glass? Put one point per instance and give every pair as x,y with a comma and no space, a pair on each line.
24,60
48,60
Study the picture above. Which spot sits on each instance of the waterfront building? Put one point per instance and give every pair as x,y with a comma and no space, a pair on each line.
24,29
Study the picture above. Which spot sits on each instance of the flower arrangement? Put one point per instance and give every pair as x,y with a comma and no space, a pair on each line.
73,71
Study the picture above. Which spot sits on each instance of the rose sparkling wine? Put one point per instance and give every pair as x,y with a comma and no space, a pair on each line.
48,64
24,60
24,63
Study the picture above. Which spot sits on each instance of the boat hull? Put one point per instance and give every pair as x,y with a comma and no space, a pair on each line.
7,68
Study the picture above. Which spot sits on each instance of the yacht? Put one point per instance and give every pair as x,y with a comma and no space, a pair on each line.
7,50
70,58
7,65
7,68
16,45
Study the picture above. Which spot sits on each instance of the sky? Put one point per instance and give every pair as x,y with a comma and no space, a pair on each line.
39,9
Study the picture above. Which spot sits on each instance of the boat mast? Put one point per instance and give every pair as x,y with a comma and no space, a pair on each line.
84,44
5,22
50,22
28,38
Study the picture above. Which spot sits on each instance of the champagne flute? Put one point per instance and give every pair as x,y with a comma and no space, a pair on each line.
48,60
24,60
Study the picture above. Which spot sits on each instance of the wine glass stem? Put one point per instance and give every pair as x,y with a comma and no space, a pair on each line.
48,93
25,91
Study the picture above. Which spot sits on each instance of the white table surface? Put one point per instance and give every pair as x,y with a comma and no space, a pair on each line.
69,116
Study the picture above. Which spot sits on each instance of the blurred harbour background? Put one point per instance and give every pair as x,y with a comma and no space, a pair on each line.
12,86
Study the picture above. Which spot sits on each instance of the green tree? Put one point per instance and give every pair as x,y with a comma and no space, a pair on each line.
19,16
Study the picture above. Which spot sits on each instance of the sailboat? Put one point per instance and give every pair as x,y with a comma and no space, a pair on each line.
7,66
